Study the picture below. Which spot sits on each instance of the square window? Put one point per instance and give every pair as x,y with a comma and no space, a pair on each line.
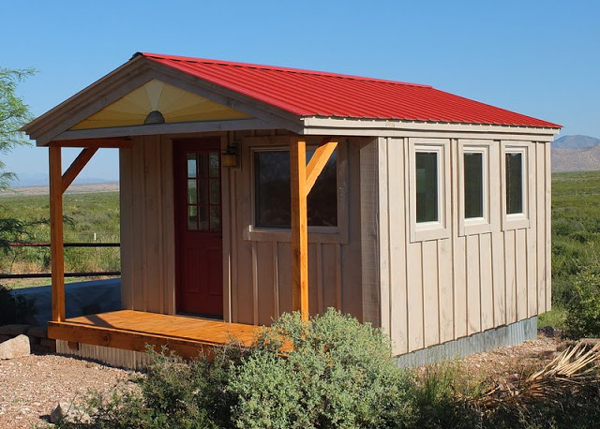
514,183
427,187
272,191
473,185
516,186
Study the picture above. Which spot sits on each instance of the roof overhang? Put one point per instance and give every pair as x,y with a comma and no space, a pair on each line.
396,128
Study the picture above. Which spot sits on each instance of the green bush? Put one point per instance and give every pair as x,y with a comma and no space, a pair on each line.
15,309
583,309
339,374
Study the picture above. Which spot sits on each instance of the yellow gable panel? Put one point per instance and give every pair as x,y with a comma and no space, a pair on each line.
175,104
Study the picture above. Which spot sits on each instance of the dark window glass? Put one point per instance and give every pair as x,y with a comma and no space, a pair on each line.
473,189
273,193
427,186
514,183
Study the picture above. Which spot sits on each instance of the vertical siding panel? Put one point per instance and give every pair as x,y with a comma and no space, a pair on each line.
245,295
369,239
313,279
152,225
445,290
531,236
541,226
487,299
510,276
460,288
275,249
226,215
168,226
431,304
338,276
319,275
415,297
473,285
548,221
384,232
498,273
285,277
126,227
254,276
331,268
265,268
521,273
137,230
351,300
397,233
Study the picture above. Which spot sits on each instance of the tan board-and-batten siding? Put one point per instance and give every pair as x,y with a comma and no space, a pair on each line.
434,291
421,292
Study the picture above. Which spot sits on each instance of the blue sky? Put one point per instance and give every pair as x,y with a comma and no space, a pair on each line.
540,58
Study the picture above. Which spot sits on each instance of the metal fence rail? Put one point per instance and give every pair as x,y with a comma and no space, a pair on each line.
48,275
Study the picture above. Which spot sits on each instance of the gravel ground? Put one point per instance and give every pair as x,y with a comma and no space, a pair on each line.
32,386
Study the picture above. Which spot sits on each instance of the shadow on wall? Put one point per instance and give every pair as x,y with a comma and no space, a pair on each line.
82,298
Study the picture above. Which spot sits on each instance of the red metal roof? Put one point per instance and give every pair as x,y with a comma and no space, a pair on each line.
310,93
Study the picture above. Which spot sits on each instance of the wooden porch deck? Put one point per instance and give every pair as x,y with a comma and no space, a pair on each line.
132,330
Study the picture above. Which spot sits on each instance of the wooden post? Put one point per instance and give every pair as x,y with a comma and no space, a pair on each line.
56,236
299,227
303,177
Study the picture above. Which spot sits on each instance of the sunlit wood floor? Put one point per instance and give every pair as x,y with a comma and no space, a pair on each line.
133,330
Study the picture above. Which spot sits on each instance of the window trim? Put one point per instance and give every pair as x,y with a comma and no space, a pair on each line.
440,229
321,234
489,221
516,220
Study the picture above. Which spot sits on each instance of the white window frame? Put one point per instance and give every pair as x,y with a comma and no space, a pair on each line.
440,229
489,220
517,220
322,234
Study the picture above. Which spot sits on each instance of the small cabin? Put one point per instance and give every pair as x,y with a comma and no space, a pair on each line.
249,190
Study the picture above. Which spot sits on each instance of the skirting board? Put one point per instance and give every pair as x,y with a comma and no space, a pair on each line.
111,356
503,336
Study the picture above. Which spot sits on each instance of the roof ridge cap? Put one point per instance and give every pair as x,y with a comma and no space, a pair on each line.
277,68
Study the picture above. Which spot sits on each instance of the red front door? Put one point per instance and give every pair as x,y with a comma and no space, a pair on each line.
197,169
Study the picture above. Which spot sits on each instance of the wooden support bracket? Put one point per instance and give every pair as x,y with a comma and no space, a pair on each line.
82,159
303,178
56,235
58,185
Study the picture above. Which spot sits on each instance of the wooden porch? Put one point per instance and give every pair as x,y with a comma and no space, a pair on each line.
133,330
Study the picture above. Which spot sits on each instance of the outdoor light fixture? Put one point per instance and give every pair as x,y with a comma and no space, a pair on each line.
231,156
154,117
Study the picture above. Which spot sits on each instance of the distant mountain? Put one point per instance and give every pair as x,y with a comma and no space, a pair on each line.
25,180
575,142
576,153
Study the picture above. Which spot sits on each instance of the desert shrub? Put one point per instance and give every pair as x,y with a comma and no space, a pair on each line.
441,395
338,373
172,394
583,309
15,309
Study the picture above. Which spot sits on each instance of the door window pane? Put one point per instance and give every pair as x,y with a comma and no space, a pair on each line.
427,186
191,165
514,183
202,165
272,196
192,218
473,185
215,218
215,191
213,168
192,194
